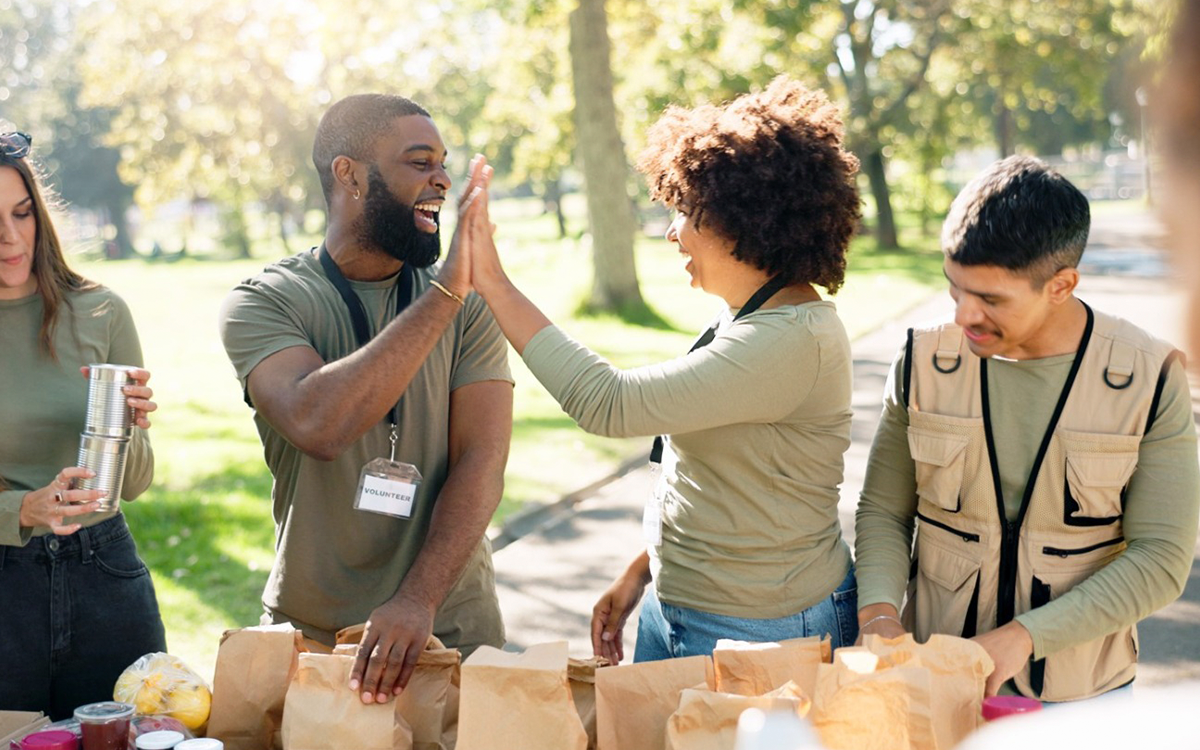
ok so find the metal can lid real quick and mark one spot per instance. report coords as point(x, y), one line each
point(202, 743)
point(106, 711)
point(163, 739)
point(54, 739)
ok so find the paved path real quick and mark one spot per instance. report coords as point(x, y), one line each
point(550, 577)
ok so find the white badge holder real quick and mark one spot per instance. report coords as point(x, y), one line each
point(388, 486)
point(652, 514)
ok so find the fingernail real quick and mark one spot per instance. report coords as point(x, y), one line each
point(368, 698)
point(606, 636)
point(354, 684)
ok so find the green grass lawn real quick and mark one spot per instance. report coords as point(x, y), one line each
point(205, 527)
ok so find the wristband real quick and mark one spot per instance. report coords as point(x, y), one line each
point(438, 285)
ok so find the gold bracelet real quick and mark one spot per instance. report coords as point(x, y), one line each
point(447, 292)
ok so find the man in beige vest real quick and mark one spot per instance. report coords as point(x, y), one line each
point(1045, 453)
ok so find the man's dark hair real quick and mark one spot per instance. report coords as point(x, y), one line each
point(1021, 215)
point(351, 127)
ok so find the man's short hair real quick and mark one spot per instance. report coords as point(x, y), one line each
point(351, 127)
point(1021, 215)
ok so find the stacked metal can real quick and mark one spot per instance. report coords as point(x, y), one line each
point(104, 443)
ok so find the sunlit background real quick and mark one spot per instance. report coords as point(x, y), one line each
point(178, 135)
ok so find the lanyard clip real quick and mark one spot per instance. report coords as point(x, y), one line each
point(392, 438)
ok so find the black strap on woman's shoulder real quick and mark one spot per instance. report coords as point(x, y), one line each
point(908, 355)
point(757, 300)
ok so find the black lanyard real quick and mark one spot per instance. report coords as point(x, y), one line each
point(358, 313)
point(764, 293)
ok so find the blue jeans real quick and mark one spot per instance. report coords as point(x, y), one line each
point(75, 611)
point(666, 631)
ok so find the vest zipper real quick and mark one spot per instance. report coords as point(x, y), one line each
point(966, 535)
point(1010, 531)
point(1081, 550)
point(1010, 538)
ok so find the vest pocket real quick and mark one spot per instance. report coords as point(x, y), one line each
point(946, 589)
point(1089, 668)
point(1098, 468)
point(939, 460)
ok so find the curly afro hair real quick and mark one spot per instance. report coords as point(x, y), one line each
point(767, 171)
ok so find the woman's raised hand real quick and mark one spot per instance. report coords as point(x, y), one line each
point(53, 504)
point(456, 271)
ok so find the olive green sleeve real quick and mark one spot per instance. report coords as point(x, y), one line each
point(1160, 521)
point(11, 531)
point(884, 520)
point(757, 370)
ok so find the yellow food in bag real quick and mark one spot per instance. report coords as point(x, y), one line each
point(163, 685)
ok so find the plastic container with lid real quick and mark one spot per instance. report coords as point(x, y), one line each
point(202, 743)
point(164, 739)
point(53, 739)
point(105, 726)
point(999, 706)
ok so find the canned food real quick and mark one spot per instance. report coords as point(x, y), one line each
point(106, 457)
point(108, 410)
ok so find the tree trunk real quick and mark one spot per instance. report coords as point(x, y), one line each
point(605, 171)
point(1004, 129)
point(116, 215)
point(237, 230)
point(553, 197)
point(885, 223)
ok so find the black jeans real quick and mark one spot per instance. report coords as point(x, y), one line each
point(75, 611)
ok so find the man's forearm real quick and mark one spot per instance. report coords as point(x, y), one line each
point(340, 401)
point(464, 509)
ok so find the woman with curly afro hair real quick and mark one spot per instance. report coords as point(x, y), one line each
point(742, 531)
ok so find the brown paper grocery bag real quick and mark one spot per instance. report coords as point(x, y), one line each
point(519, 701)
point(581, 673)
point(707, 720)
point(322, 712)
point(634, 701)
point(864, 702)
point(744, 668)
point(958, 669)
point(254, 668)
point(425, 703)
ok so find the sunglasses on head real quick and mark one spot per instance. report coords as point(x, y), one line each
point(16, 144)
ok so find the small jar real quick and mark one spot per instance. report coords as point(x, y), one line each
point(52, 739)
point(163, 739)
point(201, 743)
point(1008, 705)
point(105, 726)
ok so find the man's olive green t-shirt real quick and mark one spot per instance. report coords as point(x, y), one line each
point(43, 400)
point(758, 421)
point(334, 564)
point(1159, 524)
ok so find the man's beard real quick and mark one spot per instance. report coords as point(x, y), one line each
point(387, 223)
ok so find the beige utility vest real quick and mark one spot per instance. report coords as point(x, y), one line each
point(974, 569)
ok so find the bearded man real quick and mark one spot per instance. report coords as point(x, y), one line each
point(382, 394)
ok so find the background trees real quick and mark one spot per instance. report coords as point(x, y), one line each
point(153, 101)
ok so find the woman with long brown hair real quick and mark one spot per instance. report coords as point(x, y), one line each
point(78, 603)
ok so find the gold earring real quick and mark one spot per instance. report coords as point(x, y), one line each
point(357, 195)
